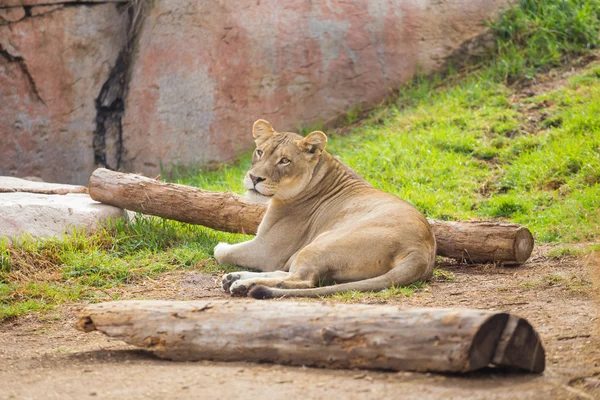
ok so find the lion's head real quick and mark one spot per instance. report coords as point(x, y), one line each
point(283, 163)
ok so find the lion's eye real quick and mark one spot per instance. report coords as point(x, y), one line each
point(259, 153)
point(284, 161)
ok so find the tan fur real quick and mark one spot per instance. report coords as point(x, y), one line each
point(324, 223)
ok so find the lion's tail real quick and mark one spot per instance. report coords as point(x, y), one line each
point(410, 269)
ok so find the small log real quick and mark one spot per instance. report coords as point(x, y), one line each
point(318, 334)
point(483, 241)
point(470, 241)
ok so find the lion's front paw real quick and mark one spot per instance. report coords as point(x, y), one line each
point(239, 288)
point(228, 279)
point(221, 251)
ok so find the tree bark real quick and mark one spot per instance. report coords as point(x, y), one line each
point(218, 210)
point(321, 335)
point(470, 241)
point(483, 241)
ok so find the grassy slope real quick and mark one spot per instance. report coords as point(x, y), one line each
point(465, 146)
point(471, 151)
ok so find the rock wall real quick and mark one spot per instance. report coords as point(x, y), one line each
point(202, 72)
point(54, 59)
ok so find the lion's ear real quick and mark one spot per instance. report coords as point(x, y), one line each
point(316, 140)
point(262, 130)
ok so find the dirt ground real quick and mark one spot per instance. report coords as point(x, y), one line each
point(43, 356)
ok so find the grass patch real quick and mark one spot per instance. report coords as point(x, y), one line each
point(538, 34)
point(447, 155)
point(468, 145)
point(571, 282)
point(36, 275)
point(572, 251)
point(387, 294)
point(442, 275)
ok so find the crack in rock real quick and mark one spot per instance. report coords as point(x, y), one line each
point(109, 113)
point(110, 103)
point(23, 66)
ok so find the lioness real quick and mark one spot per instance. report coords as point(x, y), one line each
point(324, 223)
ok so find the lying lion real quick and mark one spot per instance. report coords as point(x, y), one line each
point(324, 224)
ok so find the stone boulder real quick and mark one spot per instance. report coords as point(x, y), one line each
point(205, 70)
point(42, 215)
point(41, 209)
point(54, 60)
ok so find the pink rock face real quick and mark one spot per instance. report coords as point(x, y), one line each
point(52, 66)
point(205, 71)
point(14, 3)
point(201, 73)
point(12, 14)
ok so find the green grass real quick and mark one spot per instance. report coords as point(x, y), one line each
point(36, 275)
point(539, 33)
point(465, 145)
point(387, 294)
point(575, 251)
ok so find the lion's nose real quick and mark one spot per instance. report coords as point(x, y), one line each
point(256, 179)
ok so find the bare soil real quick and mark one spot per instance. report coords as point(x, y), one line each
point(43, 356)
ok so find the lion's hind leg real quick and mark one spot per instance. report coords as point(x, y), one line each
point(285, 280)
point(412, 268)
point(309, 267)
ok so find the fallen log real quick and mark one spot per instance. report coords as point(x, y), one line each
point(321, 334)
point(470, 241)
point(223, 211)
point(483, 241)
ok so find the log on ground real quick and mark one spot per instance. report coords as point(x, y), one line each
point(218, 210)
point(320, 334)
point(470, 241)
point(483, 241)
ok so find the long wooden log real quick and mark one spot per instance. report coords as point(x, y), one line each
point(470, 241)
point(320, 334)
point(223, 211)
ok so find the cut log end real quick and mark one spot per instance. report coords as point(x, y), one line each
point(523, 246)
point(520, 347)
point(485, 341)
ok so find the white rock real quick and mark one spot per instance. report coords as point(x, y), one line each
point(41, 215)
point(11, 184)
